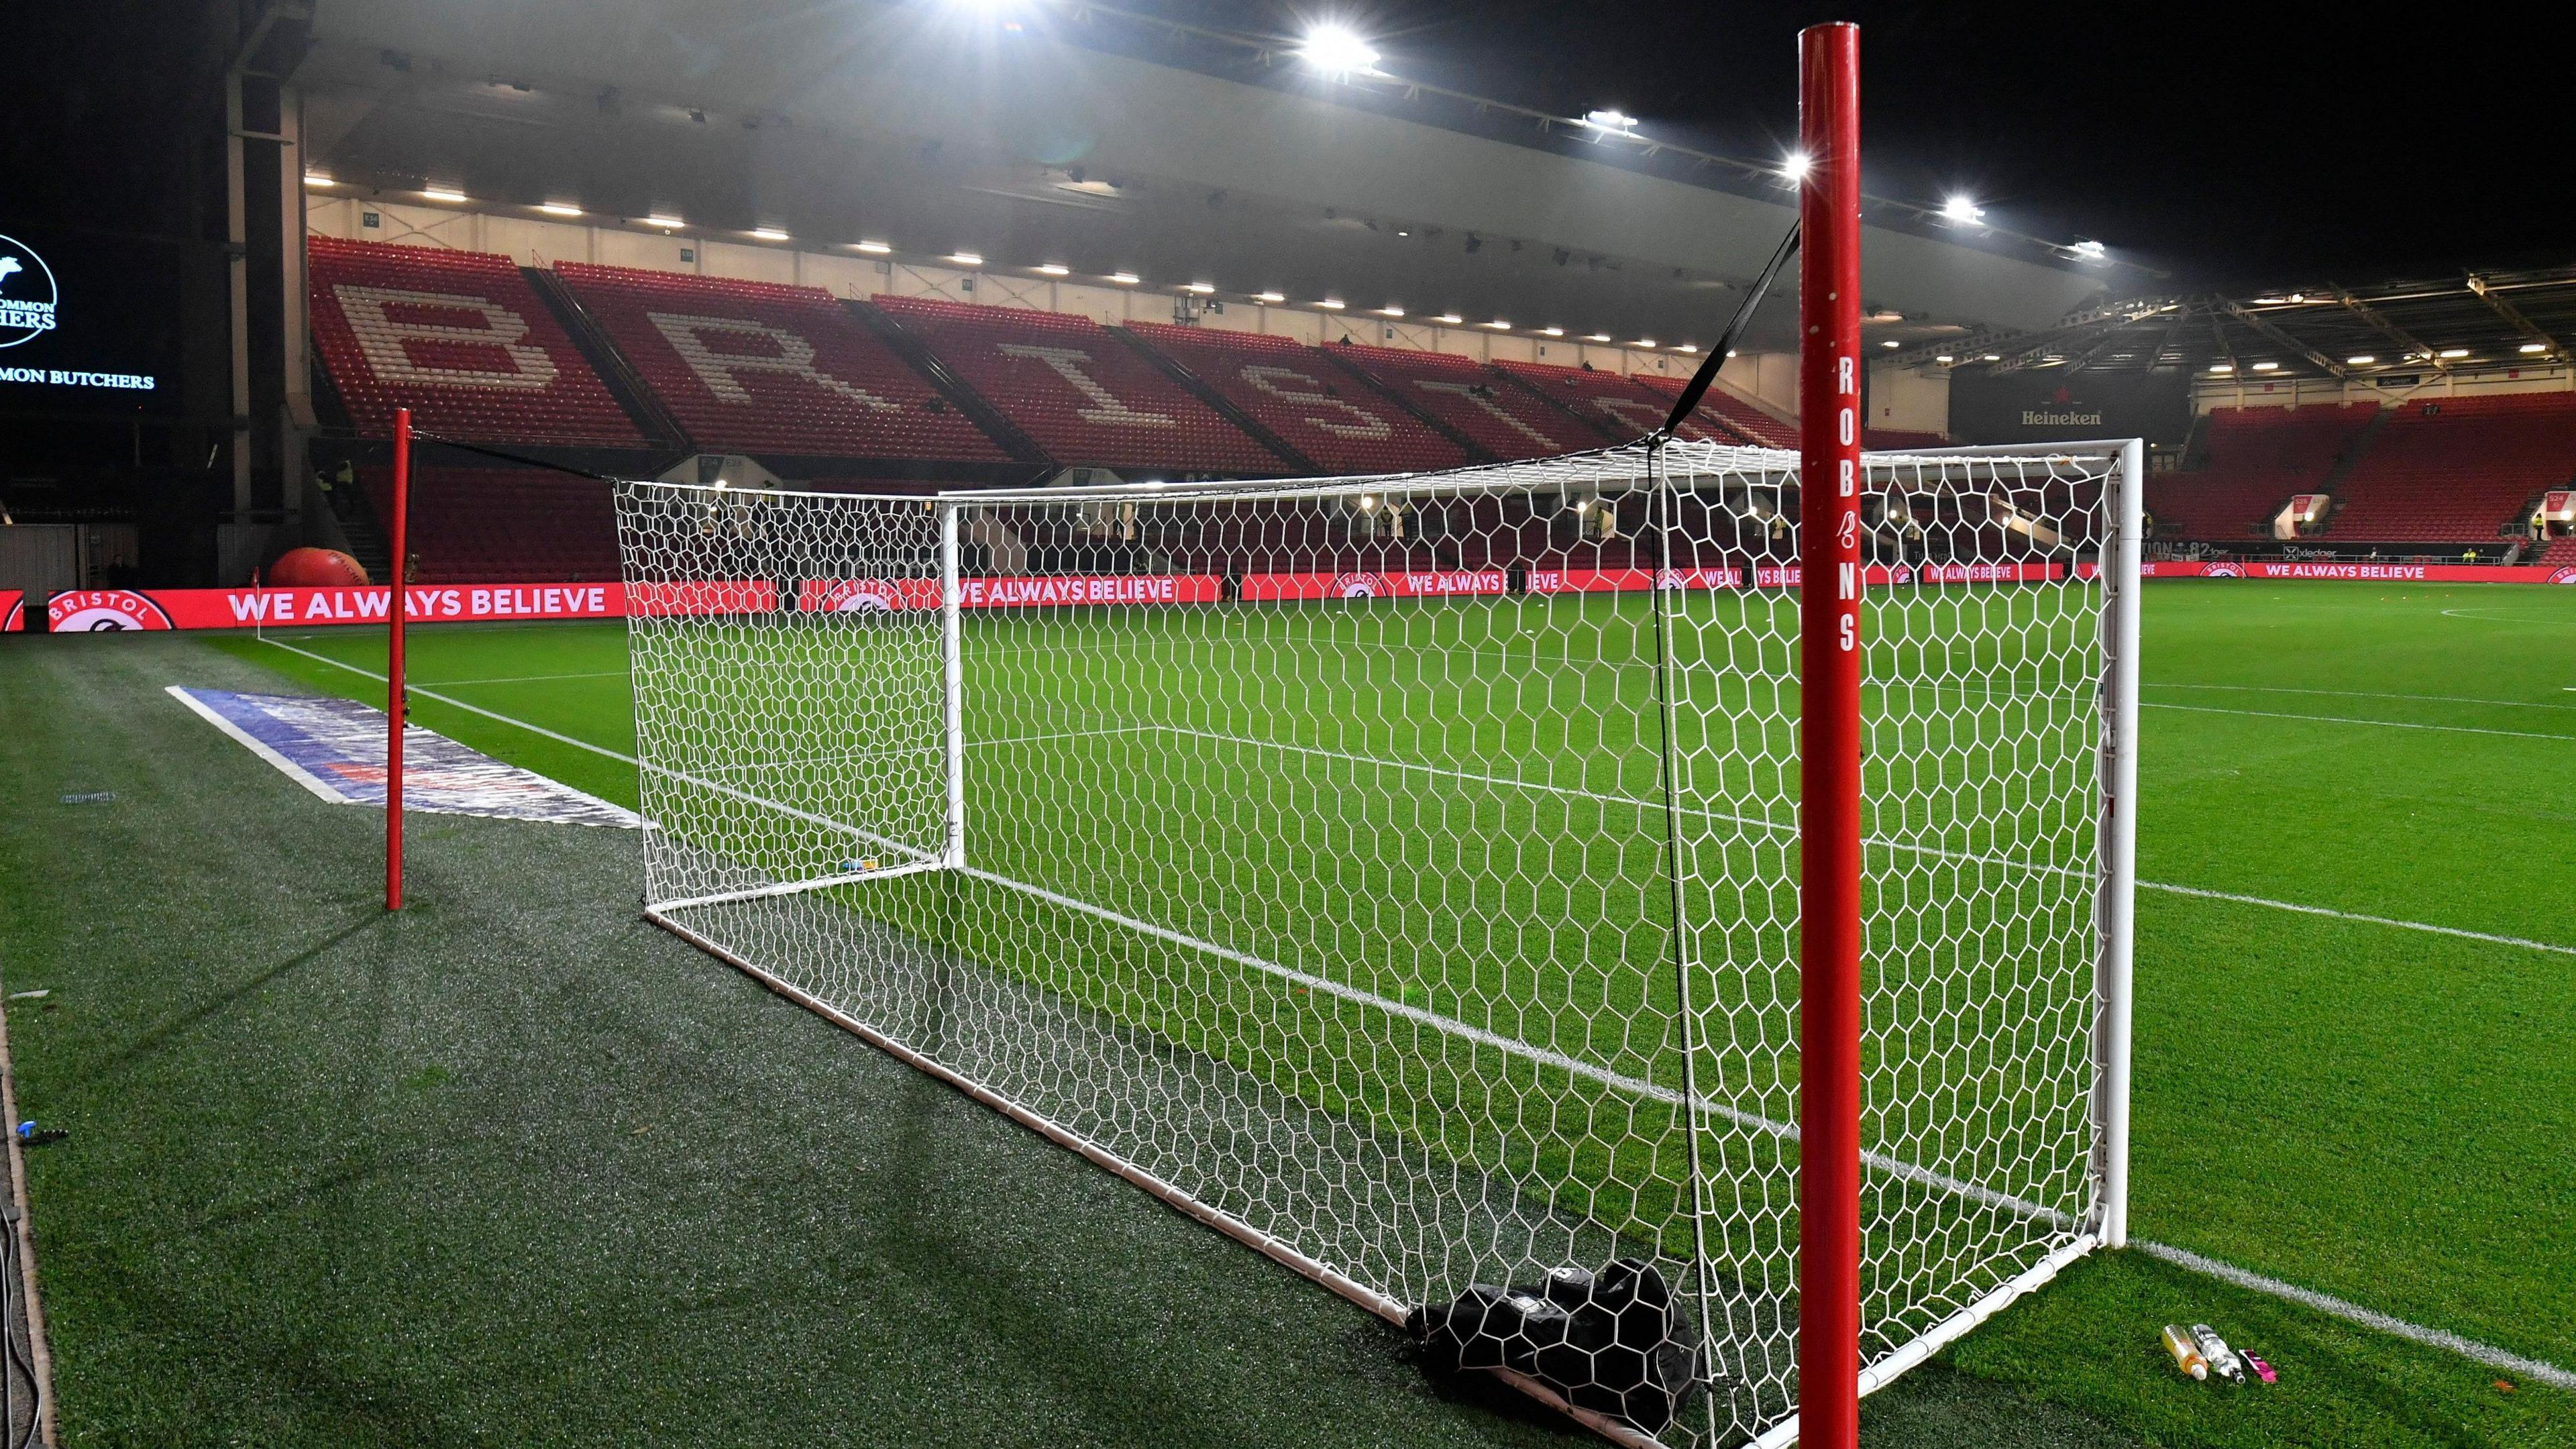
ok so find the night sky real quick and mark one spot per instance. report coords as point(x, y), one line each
point(2238, 146)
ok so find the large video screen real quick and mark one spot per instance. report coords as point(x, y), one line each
point(89, 323)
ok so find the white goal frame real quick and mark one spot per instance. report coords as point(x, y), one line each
point(744, 860)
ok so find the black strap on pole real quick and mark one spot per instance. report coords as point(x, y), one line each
point(1688, 402)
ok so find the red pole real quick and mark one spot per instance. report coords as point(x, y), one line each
point(395, 617)
point(1829, 742)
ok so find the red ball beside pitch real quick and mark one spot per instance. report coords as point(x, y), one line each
point(316, 568)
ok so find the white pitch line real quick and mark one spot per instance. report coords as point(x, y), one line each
point(2530, 1368)
point(2367, 694)
point(2386, 724)
point(2324, 1303)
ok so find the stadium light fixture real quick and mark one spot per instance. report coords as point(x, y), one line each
point(1963, 211)
point(1596, 336)
point(1201, 288)
point(2091, 251)
point(1610, 118)
point(771, 233)
point(1337, 50)
point(1686, 347)
point(1644, 342)
point(2362, 360)
point(2267, 367)
point(1499, 325)
point(1891, 342)
point(2529, 348)
point(2222, 368)
point(1945, 359)
point(1390, 311)
point(317, 180)
point(1449, 319)
point(1054, 269)
point(558, 208)
point(2452, 354)
point(1730, 352)
point(1331, 304)
point(666, 222)
point(1992, 357)
point(1125, 279)
point(872, 248)
point(1793, 167)
point(448, 194)
point(1551, 332)
point(966, 259)
point(1272, 298)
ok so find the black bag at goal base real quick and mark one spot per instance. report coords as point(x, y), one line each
point(1611, 1341)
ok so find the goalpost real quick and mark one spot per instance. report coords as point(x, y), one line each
point(1712, 857)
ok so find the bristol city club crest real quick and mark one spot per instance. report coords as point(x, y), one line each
point(866, 596)
point(2564, 576)
point(2223, 571)
point(1357, 586)
point(102, 611)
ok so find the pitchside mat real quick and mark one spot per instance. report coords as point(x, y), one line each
point(336, 749)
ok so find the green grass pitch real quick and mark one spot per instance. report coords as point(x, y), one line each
point(2366, 1110)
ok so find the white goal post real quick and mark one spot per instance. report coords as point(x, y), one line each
point(1401, 874)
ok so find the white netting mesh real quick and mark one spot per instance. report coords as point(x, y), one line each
point(1316, 856)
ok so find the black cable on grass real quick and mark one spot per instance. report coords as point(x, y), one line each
point(1688, 402)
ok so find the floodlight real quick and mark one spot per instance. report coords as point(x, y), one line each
point(661, 220)
point(1125, 279)
point(1944, 359)
point(1645, 342)
point(1992, 357)
point(2531, 347)
point(1551, 332)
point(1202, 288)
point(1499, 325)
point(559, 208)
point(873, 248)
point(2222, 368)
point(1270, 296)
point(1054, 269)
point(1962, 210)
point(1390, 311)
point(2364, 360)
point(1337, 50)
point(1609, 119)
point(2267, 367)
point(1794, 166)
point(2091, 251)
point(1449, 318)
point(448, 194)
point(966, 259)
point(1331, 304)
point(2452, 352)
point(770, 233)
point(317, 179)
point(1891, 342)
point(1596, 336)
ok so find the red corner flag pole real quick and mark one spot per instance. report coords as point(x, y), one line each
point(1829, 744)
point(395, 617)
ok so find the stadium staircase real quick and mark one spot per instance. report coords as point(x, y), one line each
point(615, 372)
point(1179, 372)
point(356, 515)
point(967, 401)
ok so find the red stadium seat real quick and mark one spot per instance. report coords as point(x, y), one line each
point(1728, 410)
point(462, 340)
point(1084, 395)
point(2458, 470)
point(1461, 392)
point(1293, 390)
point(2258, 457)
point(504, 525)
point(763, 368)
point(1627, 407)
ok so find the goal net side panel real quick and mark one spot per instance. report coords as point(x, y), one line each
point(1324, 842)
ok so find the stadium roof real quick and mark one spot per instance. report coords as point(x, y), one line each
point(940, 131)
point(2477, 321)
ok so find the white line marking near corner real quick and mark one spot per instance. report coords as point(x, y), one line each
point(2522, 942)
point(2531, 1368)
point(2370, 694)
point(2386, 724)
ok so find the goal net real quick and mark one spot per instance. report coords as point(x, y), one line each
point(1401, 873)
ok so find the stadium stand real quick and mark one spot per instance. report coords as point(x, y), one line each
point(462, 340)
point(503, 525)
point(1469, 399)
point(1729, 410)
point(2561, 553)
point(1293, 390)
point(1625, 408)
point(2457, 469)
point(759, 367)
point(1086, 397)
point(2257, 458)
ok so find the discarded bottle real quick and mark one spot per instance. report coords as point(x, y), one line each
point(2186, 1354)
point(2221, 1358)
